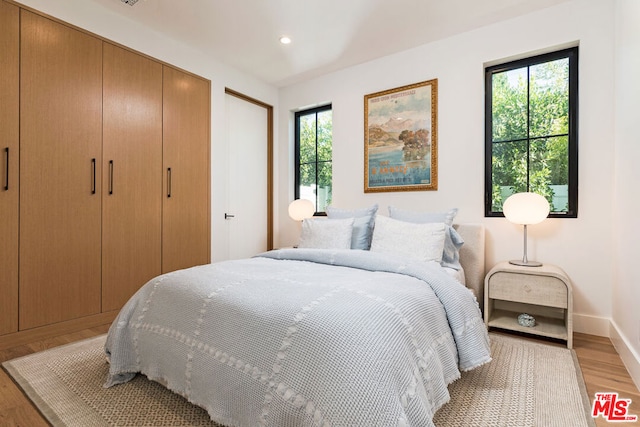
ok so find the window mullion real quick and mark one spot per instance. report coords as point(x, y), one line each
point(316, 158)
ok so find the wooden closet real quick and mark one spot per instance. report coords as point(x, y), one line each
point(186, 110)
point(9, 137)
point(104, 174)
point(60, 170)
point(132, 165)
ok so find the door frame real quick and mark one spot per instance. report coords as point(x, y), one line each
point(269, 109)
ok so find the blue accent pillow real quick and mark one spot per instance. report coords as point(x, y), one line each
point(452, 242)
point(364, 220)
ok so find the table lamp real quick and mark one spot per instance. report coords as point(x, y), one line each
point(525, 209)
point(301, 209)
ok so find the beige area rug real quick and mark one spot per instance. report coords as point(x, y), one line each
point(526, 384)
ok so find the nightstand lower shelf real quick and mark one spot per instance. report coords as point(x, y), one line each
point(545, 326)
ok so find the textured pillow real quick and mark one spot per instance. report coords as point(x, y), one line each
point(423, 217)
point(453, 241)
point(420, 242)
point(326, 233)
point(363, 222)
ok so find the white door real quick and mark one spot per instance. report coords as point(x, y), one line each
point(247, 197)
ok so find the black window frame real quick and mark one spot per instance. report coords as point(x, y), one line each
point(297, 116)
point(572, 55)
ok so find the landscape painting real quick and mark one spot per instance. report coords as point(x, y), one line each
point(400, 142)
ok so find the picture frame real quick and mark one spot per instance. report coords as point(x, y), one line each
point(401, 138)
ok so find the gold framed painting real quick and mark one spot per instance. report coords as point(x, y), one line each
point(401, 138)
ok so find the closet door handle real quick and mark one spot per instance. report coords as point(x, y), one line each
point(110, 176)
point(6, 171)
point(168, 182)
point(93, 172)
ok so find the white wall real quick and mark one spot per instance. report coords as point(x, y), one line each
point(626, 289)
point(583, 247)
point(99, 20)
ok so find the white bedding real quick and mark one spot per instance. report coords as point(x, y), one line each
point(303, 338)
point(456, 274)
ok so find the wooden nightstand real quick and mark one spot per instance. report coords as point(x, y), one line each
point(543, 292)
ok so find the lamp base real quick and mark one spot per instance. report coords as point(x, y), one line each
point(525, 263)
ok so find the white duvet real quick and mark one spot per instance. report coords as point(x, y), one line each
point(303, 337)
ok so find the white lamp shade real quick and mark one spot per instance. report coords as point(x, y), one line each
point(525, 208)
point(300, 209)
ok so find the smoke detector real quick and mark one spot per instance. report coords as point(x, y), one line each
point(129, 2)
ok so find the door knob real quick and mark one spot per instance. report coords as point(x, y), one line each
point(228, 216)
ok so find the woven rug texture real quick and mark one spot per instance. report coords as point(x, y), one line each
point(526, 384)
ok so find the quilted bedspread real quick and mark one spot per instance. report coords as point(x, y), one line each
point(303, 337)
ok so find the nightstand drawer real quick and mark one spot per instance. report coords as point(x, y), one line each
point(543, 290)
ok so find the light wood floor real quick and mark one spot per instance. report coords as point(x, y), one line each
point(601, 366)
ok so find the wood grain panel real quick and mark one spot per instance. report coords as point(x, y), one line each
point(132, 165)
point(9, 152)
point(61, 132)
point(186, 201)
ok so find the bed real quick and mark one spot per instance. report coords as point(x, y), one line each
point(308, 336)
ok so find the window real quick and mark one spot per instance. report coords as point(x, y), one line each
point(531, 131)
point(313, 153)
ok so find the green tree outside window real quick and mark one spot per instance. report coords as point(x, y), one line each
point(531, 131)
point(313, 133)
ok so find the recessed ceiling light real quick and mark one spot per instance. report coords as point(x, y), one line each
point(285, 40)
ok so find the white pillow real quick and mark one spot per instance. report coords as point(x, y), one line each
point(422, 217)
point(326, 233)
point(421, 242)
point(452, 240)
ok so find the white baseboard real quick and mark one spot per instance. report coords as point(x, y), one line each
point(592, 325)
point(605, 327)
point(629, 357)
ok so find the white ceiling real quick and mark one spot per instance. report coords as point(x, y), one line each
point(327, 34)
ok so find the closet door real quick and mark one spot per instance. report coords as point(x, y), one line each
point(60, 170)
point(186, 220)
point(132, 166)
point(9, 110)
